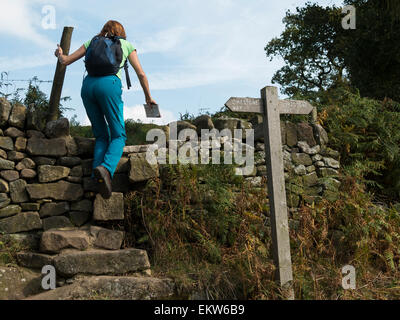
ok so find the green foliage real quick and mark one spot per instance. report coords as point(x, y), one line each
point(207, 229)
point(5, 85)
point(319, 54)
point(367, 134)
point(136, 132)
point(37, 102)
point(187, 116)
point(34, 99)
point(311, 48)
point(371, 52)
point(352, 230)
point(9, 249)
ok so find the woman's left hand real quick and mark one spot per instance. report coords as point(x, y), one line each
point(150, 101)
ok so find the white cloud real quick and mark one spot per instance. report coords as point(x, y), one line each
point(206, 47)
point(22, 62)
point(18, 19)
point(210, 42)
point(137, 113)
point(162, 41)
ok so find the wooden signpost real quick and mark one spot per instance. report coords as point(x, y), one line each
point(271, 108)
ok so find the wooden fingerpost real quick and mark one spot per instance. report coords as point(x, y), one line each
point(277, 191)
point(59, 76)
point(271, 108)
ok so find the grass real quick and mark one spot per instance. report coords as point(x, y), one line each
point(8, 250)
point(208, 229)
point(198, 229)
point(136, 132)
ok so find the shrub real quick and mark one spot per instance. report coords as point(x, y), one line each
point(367, 134)
point(200, 226)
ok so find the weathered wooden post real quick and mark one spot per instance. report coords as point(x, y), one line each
point(271, 108)
point(59, 76)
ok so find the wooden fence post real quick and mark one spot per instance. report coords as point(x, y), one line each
point(59, 76)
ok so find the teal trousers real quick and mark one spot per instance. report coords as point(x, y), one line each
point(102, 97)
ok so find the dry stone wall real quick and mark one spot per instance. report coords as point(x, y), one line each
point(311, 167)
point(45, 175)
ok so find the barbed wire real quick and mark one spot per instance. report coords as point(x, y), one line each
point(4, 78)
point(31, 80)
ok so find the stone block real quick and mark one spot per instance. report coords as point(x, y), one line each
point(302, 158)
point(59, 222)
point(79, 218)
point(100, 262)
point(57, 128)
point(18, 116)
point(109, 210)
point(52, 173)
point(10, 211)
point(305, 133)
point(18, 191)
point(141, 169)
point(47, 147)
point(54, 241)
point(5, 110)
point(54, 209)
point(69, 161)
point(14, 133)
point(20, 144)
point(83, 205)
point(62, 190)
point(22, 222)
point(6, 143)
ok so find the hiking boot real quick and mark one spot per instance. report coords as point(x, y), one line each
point(103, 179)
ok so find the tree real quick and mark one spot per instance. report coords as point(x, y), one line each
point(311, 49)
point(34, 99)
point(372, 51)
point(319, 54)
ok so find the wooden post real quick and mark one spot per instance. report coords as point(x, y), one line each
point(59, 76)
point(271, 108)
point(277, 191)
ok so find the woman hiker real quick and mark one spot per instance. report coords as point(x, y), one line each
point(102, 97)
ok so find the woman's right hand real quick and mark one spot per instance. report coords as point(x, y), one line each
point(59, 51)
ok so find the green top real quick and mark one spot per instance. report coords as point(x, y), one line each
point(127, 49)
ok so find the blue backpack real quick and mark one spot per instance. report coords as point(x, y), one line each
point(104, 57)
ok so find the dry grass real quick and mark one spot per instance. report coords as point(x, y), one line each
point(209, 232)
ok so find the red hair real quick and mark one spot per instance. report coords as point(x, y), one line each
point(113, 28)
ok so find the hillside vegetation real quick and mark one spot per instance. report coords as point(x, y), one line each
point(209, 229)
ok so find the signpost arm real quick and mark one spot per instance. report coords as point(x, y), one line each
point(276, 191)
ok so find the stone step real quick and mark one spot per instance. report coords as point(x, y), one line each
point(70, 262)
point(56, 240)
point(112, 288)
point(19, 283)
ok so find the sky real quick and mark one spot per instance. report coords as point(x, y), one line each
point(196, 53)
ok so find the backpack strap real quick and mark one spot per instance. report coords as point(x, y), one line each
point(128, 79)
